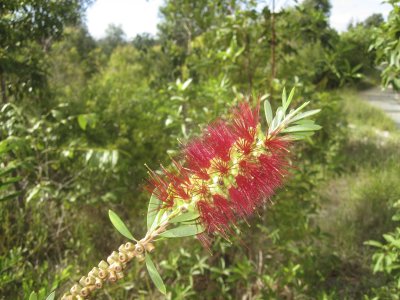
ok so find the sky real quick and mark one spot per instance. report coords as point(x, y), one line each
point(141, 16)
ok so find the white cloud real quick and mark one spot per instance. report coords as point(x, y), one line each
point(345, 11)
point(134, 16)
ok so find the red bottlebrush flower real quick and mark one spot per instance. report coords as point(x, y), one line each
point(220, 139)
point(245, 121)
point(276, 144)
point(227, 173)
point(159, 187)
point(198, 154)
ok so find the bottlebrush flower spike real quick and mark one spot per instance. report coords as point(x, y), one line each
point(227, 173)
point(235, 166)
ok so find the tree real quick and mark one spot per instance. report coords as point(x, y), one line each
point(27, 30)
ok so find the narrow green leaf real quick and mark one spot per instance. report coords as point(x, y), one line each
point(186, 84)
point(82, 121)
point(268, 112)
point(297, 110)
point(284, 97)
point(304, 122)
point(9, 197)
point(306, 114)
point(182, 231)
point(33, 296)
point(154, 275)
point(288, 100)
point(188, 216)
point(301, 135)
point(10, 181)
point(373, 243)
point(51, 296)
point(154, 207)
point(120, 225)
point(299, 128)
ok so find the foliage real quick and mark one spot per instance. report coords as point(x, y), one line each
point(80, 117)
point(387, 45)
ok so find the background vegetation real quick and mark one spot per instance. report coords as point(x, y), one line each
point(80, 117)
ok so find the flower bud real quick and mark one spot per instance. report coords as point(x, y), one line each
point(67, 297)
point(79, 297)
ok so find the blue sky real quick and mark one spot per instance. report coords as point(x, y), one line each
point(139, 16)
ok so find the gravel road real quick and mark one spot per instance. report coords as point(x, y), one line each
point(387, 100)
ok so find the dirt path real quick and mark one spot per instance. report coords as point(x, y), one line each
point(387, 100)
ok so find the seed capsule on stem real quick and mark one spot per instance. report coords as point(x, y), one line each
point(82, 281)
point(76, 288)
point(116, 267)
point(90, 280)
point(150, 247)
point(112, 277)
point(103, 274)
point(139, 249)
point(113, 257)
point(94, 272)
point(98, 284)
point(119, 275)
point(122, 257)
point(140, 257)
point(129, 246)
point(103, 265)
point(85, 292)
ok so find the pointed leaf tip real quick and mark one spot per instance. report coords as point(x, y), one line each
point(268, 112)
point(120, 225)
point(154, 275)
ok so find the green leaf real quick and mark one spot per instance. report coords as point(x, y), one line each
point(153, 209)
point(186, 84)
point(299, 128)
point(82, 121)
point(51, 296)
point(306, 114)
point(188, 216)
point(268, 112)
point(120, 225)
point(284, 97)
point(301, 135)
point(373, 244)
point(182, 231)
point(10, 196)
point(33, 296)
point(154, 275)
point(289, 99)
point(304, 122)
